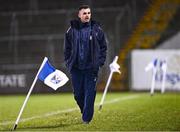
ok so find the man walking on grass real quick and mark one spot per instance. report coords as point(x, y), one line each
point(84, 53)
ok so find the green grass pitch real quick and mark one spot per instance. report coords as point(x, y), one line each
point(121, 112)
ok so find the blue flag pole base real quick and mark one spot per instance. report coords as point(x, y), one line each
point(15, 126)
point(100, 107)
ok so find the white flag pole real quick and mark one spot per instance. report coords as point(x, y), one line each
point(153, 81)
point(114, 68)
point(27, 97)
point(105, 90)
point(164, 69)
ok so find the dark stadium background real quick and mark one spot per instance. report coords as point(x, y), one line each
point(32, 29)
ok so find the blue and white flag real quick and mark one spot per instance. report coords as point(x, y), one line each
point(50, 76)
point(151, 65)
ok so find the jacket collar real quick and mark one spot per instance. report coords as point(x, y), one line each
point(78, 24)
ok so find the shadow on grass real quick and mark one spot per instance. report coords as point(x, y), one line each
point(48, 126)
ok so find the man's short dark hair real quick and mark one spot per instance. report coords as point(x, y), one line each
point(83, 7)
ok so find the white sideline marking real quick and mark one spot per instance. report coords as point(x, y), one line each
point(68, 110)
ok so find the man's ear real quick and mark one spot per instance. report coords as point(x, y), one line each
point(79, 14)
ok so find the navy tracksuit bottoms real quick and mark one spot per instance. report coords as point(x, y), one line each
point(84, 88)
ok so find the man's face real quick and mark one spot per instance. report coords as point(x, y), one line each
point(85, 15)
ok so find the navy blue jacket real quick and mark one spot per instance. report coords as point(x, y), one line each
point(97, 44)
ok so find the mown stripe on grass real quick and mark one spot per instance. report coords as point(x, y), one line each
point(68, 110)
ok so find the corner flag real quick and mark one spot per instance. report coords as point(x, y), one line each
point(52, 77)
point(114, 67)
